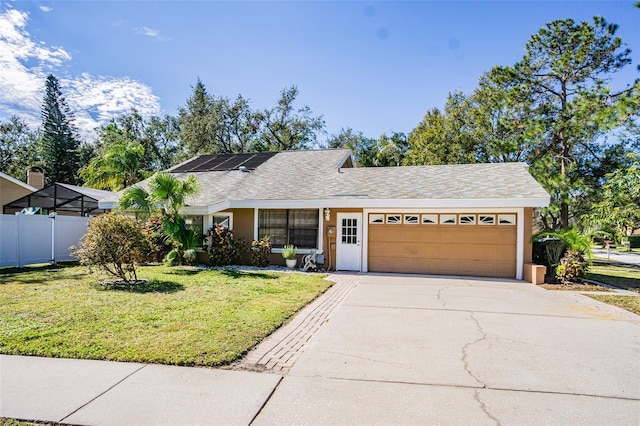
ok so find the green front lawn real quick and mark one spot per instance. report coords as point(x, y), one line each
point(618, 276)
point(181, 316)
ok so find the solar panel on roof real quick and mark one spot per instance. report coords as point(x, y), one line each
point(224, 162)
point(192, 164)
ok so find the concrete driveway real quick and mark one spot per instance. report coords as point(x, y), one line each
point(438, 350)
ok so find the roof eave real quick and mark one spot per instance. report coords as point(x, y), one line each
point(394, 203)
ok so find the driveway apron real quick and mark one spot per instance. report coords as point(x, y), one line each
point(449, 350)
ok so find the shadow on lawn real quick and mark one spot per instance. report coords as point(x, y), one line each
point(142, 286)
point(38, 274)
point(248, 274)
point(626, 283)
point(184, 271)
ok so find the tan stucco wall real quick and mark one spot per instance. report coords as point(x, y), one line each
point(242, 222)
point(10, 191)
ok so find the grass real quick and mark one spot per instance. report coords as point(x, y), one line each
point(180, 316)
point(575, 287)
point(616, 275)
point(13, 422)
point(630, 303)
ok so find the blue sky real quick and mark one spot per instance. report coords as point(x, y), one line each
point(373, 66)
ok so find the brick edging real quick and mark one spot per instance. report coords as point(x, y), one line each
point(278, 352)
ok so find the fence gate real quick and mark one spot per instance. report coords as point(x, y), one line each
point(26, 239)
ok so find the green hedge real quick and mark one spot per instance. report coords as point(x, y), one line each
point(635, 241)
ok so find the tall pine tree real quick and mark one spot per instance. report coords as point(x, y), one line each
point(60, 148)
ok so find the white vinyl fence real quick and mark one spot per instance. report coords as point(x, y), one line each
point(28, 239)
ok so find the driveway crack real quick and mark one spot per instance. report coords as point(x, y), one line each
point(465, 361)
point(439, 296)
point(465, 355)
point(483, 406)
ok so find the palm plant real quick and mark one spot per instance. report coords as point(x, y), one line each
point(569, 243)
point(166, 195)
point(119, 167)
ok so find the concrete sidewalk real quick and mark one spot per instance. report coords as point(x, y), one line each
point(117, 393)
point(396, 350)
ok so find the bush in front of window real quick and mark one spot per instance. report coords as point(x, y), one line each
point(224, 249)
point(157, 240)
point(260, 251)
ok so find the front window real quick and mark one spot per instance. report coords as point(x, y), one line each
point(297, 227)
point(195, 222)
point(224, 221)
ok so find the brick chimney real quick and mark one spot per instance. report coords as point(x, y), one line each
point(35, 177)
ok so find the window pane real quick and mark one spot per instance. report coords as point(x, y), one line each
point(221, 220)
point(273, 223)
point(297, 227)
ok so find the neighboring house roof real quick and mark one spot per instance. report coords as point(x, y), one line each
point(318, 179)
point(17, 182)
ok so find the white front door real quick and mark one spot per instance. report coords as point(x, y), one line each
point(349, 247)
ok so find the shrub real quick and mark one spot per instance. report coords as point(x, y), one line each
point(156, 240)
point(224, 249)
point(572, 267)
point(260, 251)
point(113, 242)
point(634, 241)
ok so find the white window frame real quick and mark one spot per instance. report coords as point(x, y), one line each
point(319, 244)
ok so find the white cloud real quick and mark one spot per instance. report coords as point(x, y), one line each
point(149, 32)
point(46, 8)
point(25, 63)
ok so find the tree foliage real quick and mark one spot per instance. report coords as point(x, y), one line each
point(286, 128)
point(218, 125)
point(555, 109)
point(364, 149)
point(113, 242)
point(619, 206)
point(19, 148)
point(60, 146)
point(119, 166)
point(565, 78)
point(128, 149)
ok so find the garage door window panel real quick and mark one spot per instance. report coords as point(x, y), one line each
point(487, 219)
point(448, 219)
point(469, 219)
point(394, 219)
point(411, 219)
point(506, 219)
point(429, 219)
point(376, 218)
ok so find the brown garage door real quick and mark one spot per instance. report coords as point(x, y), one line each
point(474, 245)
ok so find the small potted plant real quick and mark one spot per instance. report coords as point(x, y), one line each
point(289, 253)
